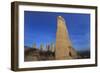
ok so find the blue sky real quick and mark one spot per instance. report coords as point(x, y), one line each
point(40, 27)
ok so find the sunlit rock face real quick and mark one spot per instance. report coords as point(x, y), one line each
point(64, 48)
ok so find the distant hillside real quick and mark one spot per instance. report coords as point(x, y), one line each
point(84, 54)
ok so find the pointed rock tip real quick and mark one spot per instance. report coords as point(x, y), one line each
point(59, 16)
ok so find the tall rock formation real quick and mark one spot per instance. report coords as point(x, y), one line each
point(64, 48)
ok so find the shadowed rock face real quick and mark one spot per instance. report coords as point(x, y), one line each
point(64, 48)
